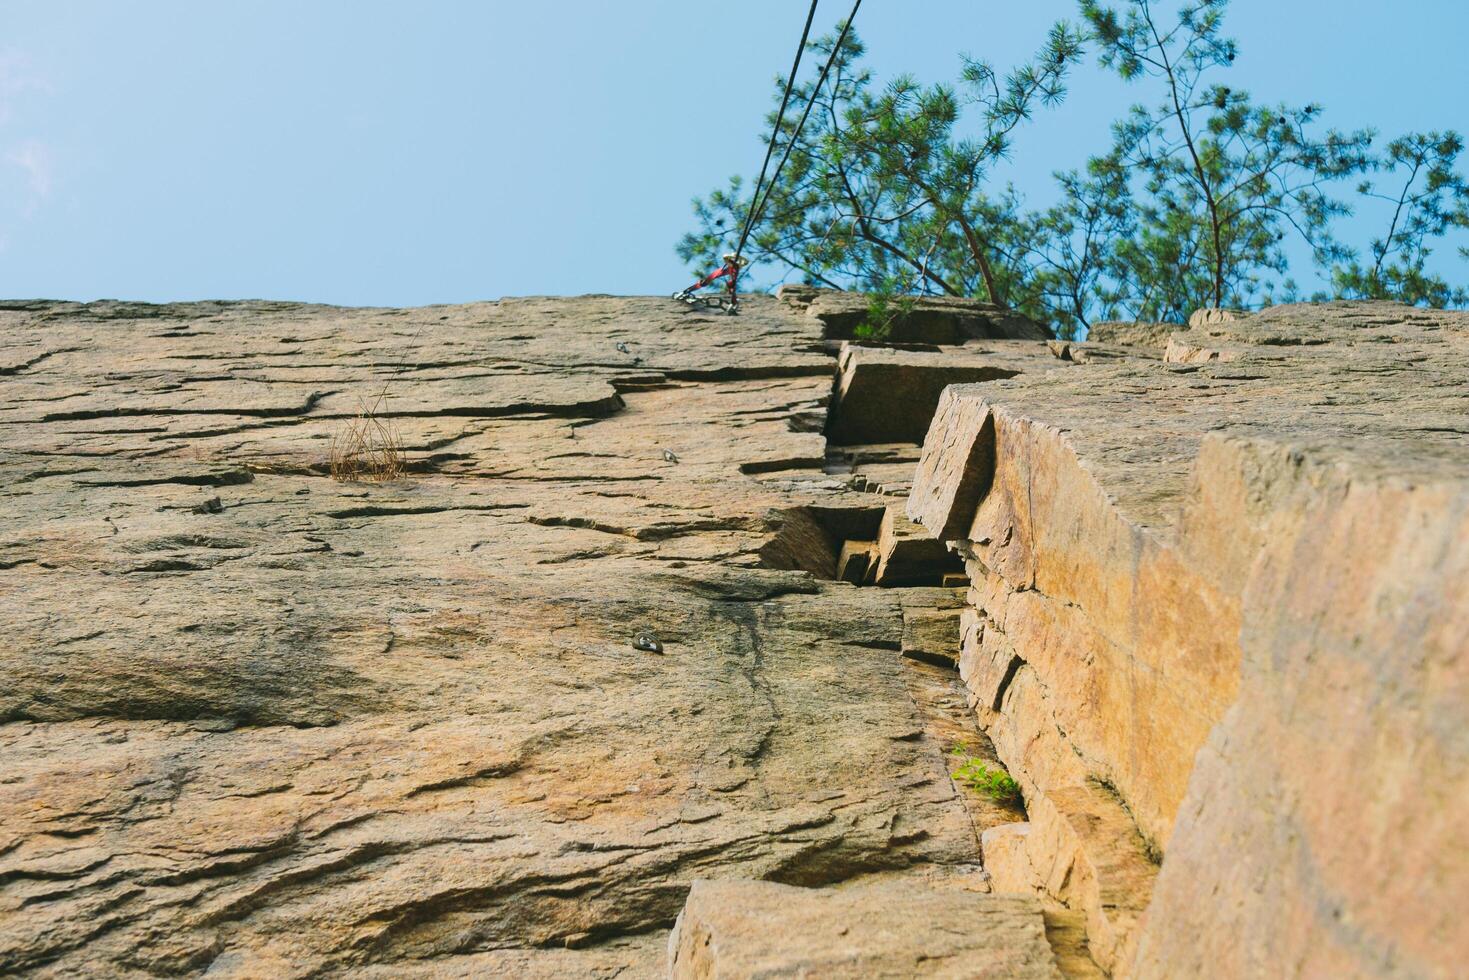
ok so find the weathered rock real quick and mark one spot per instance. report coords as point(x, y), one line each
point(798, 296)
point(401, 729)
point(1191, 349)
point(923, 320)
point(1286, 498)
point(1084, 353)
point(1325, 821)
point(932, 636)
point(856, 560)
point(958, 466)
point(885, 395)
point(907, 554)
point(1132, 332)
point(885, 469)
point(889, 929)
point(1210, 316)
point(1007, 859)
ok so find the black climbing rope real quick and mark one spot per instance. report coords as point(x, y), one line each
point(758, 203)
point(779, 118)
point(734, 261)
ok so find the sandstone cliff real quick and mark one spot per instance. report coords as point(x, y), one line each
point(1218, 619)
point(1206, 601)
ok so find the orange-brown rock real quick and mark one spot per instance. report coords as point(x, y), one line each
point(881, 930)
point(885, 395)
point(1143, 334)
point(1256, 548)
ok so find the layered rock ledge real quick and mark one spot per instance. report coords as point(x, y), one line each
point(1218, 622)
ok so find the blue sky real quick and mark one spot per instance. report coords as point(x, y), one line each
point(387, 153)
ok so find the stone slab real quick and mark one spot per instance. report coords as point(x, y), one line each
point(762, 929)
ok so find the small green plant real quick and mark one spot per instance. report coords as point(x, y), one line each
point(994, 783)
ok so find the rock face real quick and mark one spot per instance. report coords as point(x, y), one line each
point(1211, 619)
point(1217, 619)
point(884, 395)
point(919, 320)
point(259, 723)
point(889, 929)
point(1141, 334)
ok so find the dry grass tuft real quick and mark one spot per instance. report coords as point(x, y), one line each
point(368, 449)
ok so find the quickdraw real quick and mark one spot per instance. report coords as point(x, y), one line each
point(734, 261)
point(729, 300)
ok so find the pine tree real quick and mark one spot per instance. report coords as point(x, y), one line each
point(1428, 199)
point(882, 194)
point(1223, 180)
point(1194, 203)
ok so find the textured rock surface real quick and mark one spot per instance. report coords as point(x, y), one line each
point(924, 319)
point(1142, 334)
point(1008, 861)
point(887, 929)
point(265, 724)
point(1325, 817)
point(885, 395)
point(1259, 546)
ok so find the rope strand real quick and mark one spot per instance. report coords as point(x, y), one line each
point(760, 206)
point(757, 205)
point(779, 118)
